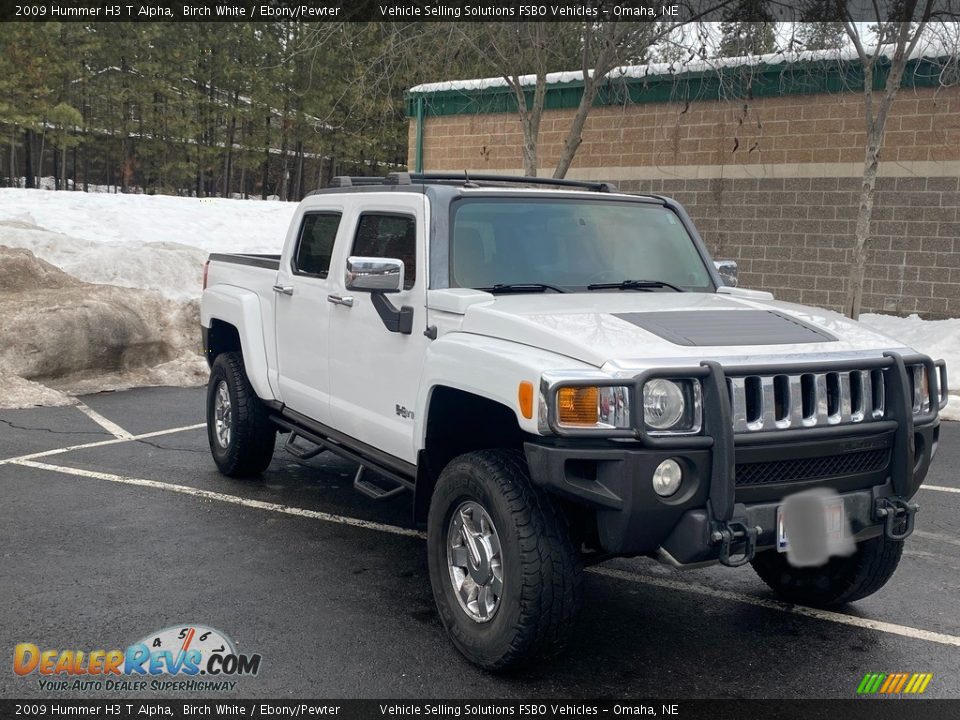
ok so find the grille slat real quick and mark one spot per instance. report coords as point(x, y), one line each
point(761, 403)
point(815, 468)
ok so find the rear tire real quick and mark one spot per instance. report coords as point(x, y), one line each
point(239, 430)
point(526, 560)
point(841, 580)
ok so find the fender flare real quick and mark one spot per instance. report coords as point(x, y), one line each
point(453, 361)
point(241, 309)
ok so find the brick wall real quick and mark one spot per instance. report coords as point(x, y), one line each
point(771, 183)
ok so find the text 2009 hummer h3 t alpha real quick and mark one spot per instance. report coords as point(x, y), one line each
point(559, 374)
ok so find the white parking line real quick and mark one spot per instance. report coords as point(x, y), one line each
point(100, 443)
point(941, 488)
point(109, 425)
point(828, 615)
point(223, 497)
point(643, 579)
point(939, 537)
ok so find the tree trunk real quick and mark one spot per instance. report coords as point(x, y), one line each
point(228, 160)
point(28, 160)
point(63, 167)
point(123, 165)
point(43, 147)
point(298, 184)
point(575, 134)
point(284, 171)
point(13, 159)
point(56, 169)
point(876, 122)
point(266, 164)
point(858, 262)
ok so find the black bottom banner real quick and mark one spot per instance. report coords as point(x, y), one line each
point(113, 709)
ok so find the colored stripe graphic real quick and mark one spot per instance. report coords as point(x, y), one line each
point(870, 683)
point(901, 682)
point(894, 683)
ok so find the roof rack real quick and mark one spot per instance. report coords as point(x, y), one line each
point(347, 181)
point(468, 180)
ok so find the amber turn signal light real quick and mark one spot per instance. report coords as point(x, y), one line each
point(578, 405)
point(525, 399)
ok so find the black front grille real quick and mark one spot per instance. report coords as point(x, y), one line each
point(814, 468)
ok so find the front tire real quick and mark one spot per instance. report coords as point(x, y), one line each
point(239, 430)
point(840, 580)
point(505, 574)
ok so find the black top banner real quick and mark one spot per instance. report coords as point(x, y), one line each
point(440, 10)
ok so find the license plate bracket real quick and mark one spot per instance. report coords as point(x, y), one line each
point(834, 521)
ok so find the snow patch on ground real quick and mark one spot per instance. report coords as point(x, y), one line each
point(19, 392)
point(940, 339)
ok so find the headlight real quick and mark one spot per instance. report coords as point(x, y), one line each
point(672, 406)
point(921, 389)
point(663, 404)
point(591, 406)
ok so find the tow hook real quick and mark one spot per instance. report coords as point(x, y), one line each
point(738, 543)
point(892, 510)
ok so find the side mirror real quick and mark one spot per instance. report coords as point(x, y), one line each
point(376, 275)
point(728, 271)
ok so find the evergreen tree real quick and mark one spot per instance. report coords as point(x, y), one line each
point(748, 28)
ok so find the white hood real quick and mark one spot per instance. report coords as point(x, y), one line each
point(586, 326)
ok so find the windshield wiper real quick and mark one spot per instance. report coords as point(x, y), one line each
point(634, 285)
point(522, 287)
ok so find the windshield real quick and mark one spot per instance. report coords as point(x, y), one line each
point(571, 243)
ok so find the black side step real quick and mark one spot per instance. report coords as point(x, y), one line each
point(372, 490)
point(299, 452)
point(342, 450)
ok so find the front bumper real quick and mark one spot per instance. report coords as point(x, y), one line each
point(733, 481)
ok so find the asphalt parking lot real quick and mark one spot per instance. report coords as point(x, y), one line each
point(117, 524)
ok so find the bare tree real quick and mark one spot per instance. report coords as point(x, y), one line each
point(896, 37)
point(524, 53)
point(521, 51)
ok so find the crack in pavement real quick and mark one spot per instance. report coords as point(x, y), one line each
point(163, 447)
point(14, 426)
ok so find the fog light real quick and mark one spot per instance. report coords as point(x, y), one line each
point(666, 478)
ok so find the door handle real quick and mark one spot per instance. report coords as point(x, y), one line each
point(337, 300)
point(283, 289)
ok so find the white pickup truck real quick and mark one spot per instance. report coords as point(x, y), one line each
point(560, 374)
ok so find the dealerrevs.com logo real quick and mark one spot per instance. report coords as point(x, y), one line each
point(181, 658)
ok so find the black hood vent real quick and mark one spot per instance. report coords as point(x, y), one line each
point(727, 327)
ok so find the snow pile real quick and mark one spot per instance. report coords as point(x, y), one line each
point(59, 334)
point(940, 339)
point(142, 241)
point(100, 291)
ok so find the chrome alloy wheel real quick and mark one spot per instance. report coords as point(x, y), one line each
point(473, 555)
point(222, 415)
